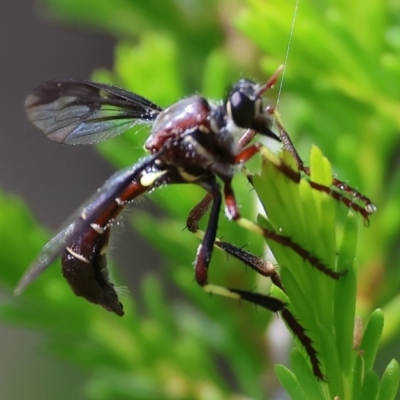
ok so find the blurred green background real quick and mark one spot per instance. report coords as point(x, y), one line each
point(341, 91)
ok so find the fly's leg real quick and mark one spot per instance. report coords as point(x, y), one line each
point(203, 258)
point(366, 209)
point(262, 267)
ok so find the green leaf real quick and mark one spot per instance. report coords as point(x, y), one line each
point(345, 296)
point(370, 341)
point(389, 382)
point(310, 386)
point(370, 386)
point(289, 381)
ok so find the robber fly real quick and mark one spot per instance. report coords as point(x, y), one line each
point(192, 141)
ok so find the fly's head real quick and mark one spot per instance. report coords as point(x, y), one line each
point(246, 107)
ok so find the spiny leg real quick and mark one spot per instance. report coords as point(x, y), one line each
point(267, 269)
point(366, 210)
point(264, 268)
point(261, 267)
point(288, 317)
point(203, 258)
point(257, 264)
point(246, 138)
point(200, 209)
point(286, 241)
point(307, 343)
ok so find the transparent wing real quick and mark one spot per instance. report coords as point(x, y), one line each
point(82, 112)
point(94, 207)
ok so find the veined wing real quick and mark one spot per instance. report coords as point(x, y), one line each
point(73, 111)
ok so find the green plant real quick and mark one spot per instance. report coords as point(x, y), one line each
point(339, 87)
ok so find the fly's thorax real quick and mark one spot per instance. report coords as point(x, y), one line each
point(177, 120)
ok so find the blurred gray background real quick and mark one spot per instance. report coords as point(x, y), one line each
point(52, 179)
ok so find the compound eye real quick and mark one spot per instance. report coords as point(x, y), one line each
point(241, 109)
